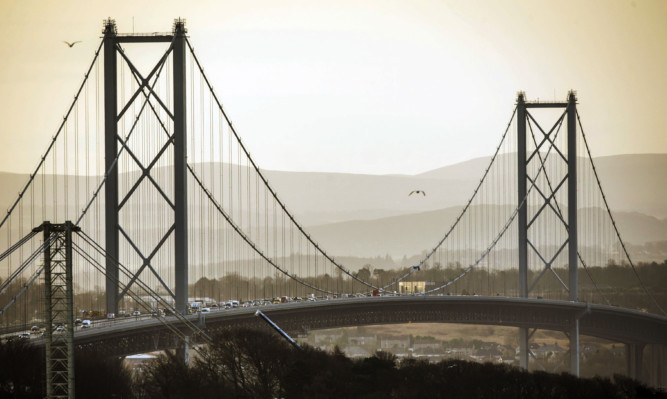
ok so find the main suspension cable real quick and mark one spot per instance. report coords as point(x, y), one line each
point(246, 238)
point(613, 221)
point(560, 212)
point(124, 142)
point(54, 138)
point(465, 208)
point(265, 181)
point(502, 232)
point(291, 217)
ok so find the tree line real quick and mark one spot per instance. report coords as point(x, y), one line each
point(256, 363)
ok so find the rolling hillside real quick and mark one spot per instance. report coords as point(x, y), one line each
point(369, 215)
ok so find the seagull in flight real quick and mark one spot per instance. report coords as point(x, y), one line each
point(71, 44)
point(417, 192)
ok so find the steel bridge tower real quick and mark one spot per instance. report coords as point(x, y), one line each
point(570, 224)
point(59, 308)
point(177, 115)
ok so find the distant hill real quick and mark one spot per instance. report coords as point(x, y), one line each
point(632, 182)
point(370, 215)
point(332, 197)
point(635, 183)
point(414, 233)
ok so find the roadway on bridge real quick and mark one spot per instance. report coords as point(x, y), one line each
point(616, 324)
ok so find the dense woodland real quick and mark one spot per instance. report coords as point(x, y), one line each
point(260, 364)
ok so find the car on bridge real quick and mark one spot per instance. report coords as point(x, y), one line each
point(136, 313)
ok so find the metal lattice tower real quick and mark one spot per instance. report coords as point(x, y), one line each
point(547, 202)
point(177, 139)
point(59, 309)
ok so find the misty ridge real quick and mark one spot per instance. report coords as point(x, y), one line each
point(356, 215)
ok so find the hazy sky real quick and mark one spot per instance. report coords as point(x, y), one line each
point(361, 86)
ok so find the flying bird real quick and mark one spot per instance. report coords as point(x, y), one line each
point(417, 192)
point(71, 44)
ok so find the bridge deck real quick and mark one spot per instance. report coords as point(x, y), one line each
point(615, 324)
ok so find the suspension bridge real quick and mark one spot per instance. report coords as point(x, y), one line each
point(146, 198)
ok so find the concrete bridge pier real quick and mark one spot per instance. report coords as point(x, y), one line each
point(656, 358)
point(634, 357)
point(524, 337)
point(574, 347)
point(183, 350)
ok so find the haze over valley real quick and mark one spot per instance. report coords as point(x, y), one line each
point(368, 216)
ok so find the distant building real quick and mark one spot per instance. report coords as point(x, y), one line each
point(488, 353)
point(427, 346)
point(362, 339)
point(458, 353)
point(549, 351)
point(327, 337)
point(411, 287)
point(400, 342)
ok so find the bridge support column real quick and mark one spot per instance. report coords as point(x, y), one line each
point(573, 254)
point(110, 152)
point(523, 159)
point(634, 359)
point(522, 222)
point(521, 195)
point(574, 347)
point(523, 348)
point(657, 372)
point(59, 308)
point(180, 171)
point(183, 351)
